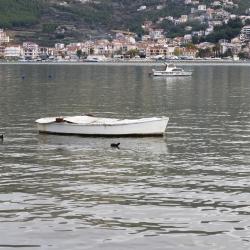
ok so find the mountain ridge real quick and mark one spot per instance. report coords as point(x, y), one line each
point(50, 21)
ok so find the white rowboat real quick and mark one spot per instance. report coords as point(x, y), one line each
point(96, 126)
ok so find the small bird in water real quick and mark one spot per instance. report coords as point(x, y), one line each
point(1, 137)
point(115, 145)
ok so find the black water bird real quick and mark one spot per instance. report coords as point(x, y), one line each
point(23, 76)
point(1, 137)
point(115, 145)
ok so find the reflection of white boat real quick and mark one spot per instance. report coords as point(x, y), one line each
point(95, 126)
point(171, 70)
point(145, 146)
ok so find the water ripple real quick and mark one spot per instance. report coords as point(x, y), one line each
point(187, 190)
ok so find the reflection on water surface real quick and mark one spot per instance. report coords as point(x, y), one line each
point(187, 190)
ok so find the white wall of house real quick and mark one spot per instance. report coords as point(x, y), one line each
point(13, 52)
point(3, 37)
point(246, 30)
point(31, 50)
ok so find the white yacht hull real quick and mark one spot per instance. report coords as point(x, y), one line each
point(164, 73)
point(103, 126)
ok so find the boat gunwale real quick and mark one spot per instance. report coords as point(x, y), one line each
point(166, 119)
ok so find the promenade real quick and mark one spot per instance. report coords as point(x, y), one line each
point(132, 62)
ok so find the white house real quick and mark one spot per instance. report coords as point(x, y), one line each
point(143, 7)
point(183, 18)
point(188, 28)
point(216, 3)
point(188, 2)
point(169, 18)
point(156, 34)
point(187, 38)
point(13, 52)
point(233, 16)
point(3, 37)
point(159, 7)
point(30, 50)
point(246, 31)
point(59, 46)
point(209, 30)
point(202, 7)
point(145, 38)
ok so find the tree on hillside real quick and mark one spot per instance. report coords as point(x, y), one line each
point(227, 31)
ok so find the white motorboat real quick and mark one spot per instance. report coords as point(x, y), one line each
point(95, 58)
point(171, 70)
point(96, 126)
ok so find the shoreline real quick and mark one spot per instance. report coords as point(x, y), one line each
point(136, 63)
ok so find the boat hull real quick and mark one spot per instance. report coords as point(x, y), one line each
point(164, 73)
point(155, 127)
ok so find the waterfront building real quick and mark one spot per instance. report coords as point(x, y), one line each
point(13, 52)
point(30, 50)
point(45, 52)
point(59, 46)
point(4, 38)
point(158, 50)
point(103, 47)
point(246, 31)
point(2, 49)
point(71, 50)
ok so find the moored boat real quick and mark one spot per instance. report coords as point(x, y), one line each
point(171, 70)
point(96, 126)
point(95, 58)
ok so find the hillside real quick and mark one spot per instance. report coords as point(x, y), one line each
point(19, 13)
point(50, 21)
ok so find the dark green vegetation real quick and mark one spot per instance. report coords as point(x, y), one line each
point(15, 13)
point(229, 31)
point(50, 21)
point(243, 5)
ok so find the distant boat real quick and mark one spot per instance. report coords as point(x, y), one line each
point(171, 70)
point(95, 58)
point(96, 126)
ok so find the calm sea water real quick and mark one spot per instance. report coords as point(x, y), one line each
point(187, 190)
